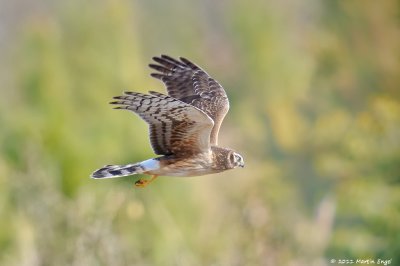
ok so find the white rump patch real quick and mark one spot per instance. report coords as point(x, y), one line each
point(150, 164)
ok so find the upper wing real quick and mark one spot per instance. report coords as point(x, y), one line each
point(190, 84)
point(175, 127)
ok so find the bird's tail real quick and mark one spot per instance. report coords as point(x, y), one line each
point(112, 171)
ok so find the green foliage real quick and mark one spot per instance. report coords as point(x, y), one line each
point(315, 109)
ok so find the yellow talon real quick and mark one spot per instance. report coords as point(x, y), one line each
point(142, 183)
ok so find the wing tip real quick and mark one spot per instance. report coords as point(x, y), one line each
point(158, 94)
point(129, 93)
point(189, 63)
point(151, 65)
point(167, 57)
point(158, 59)
point(157, 75)
point(184, 60)
point(167, 60)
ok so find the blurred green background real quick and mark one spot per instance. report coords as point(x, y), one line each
point(315, 111)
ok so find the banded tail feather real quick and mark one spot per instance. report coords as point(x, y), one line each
point(112, 171)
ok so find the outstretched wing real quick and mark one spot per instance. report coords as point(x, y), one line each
point(190, 84)
point(175, 127)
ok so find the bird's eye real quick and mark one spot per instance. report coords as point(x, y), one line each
point(238, 158)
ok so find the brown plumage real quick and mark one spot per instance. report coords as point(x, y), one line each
point(190, 84)
point(183, 125)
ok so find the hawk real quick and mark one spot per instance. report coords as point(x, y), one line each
point(183, 125)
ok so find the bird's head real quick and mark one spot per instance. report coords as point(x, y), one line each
point(235, 159)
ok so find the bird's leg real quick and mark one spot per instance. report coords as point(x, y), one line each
point(142, 183)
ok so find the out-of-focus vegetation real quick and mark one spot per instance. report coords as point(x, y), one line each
point(315, 109)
